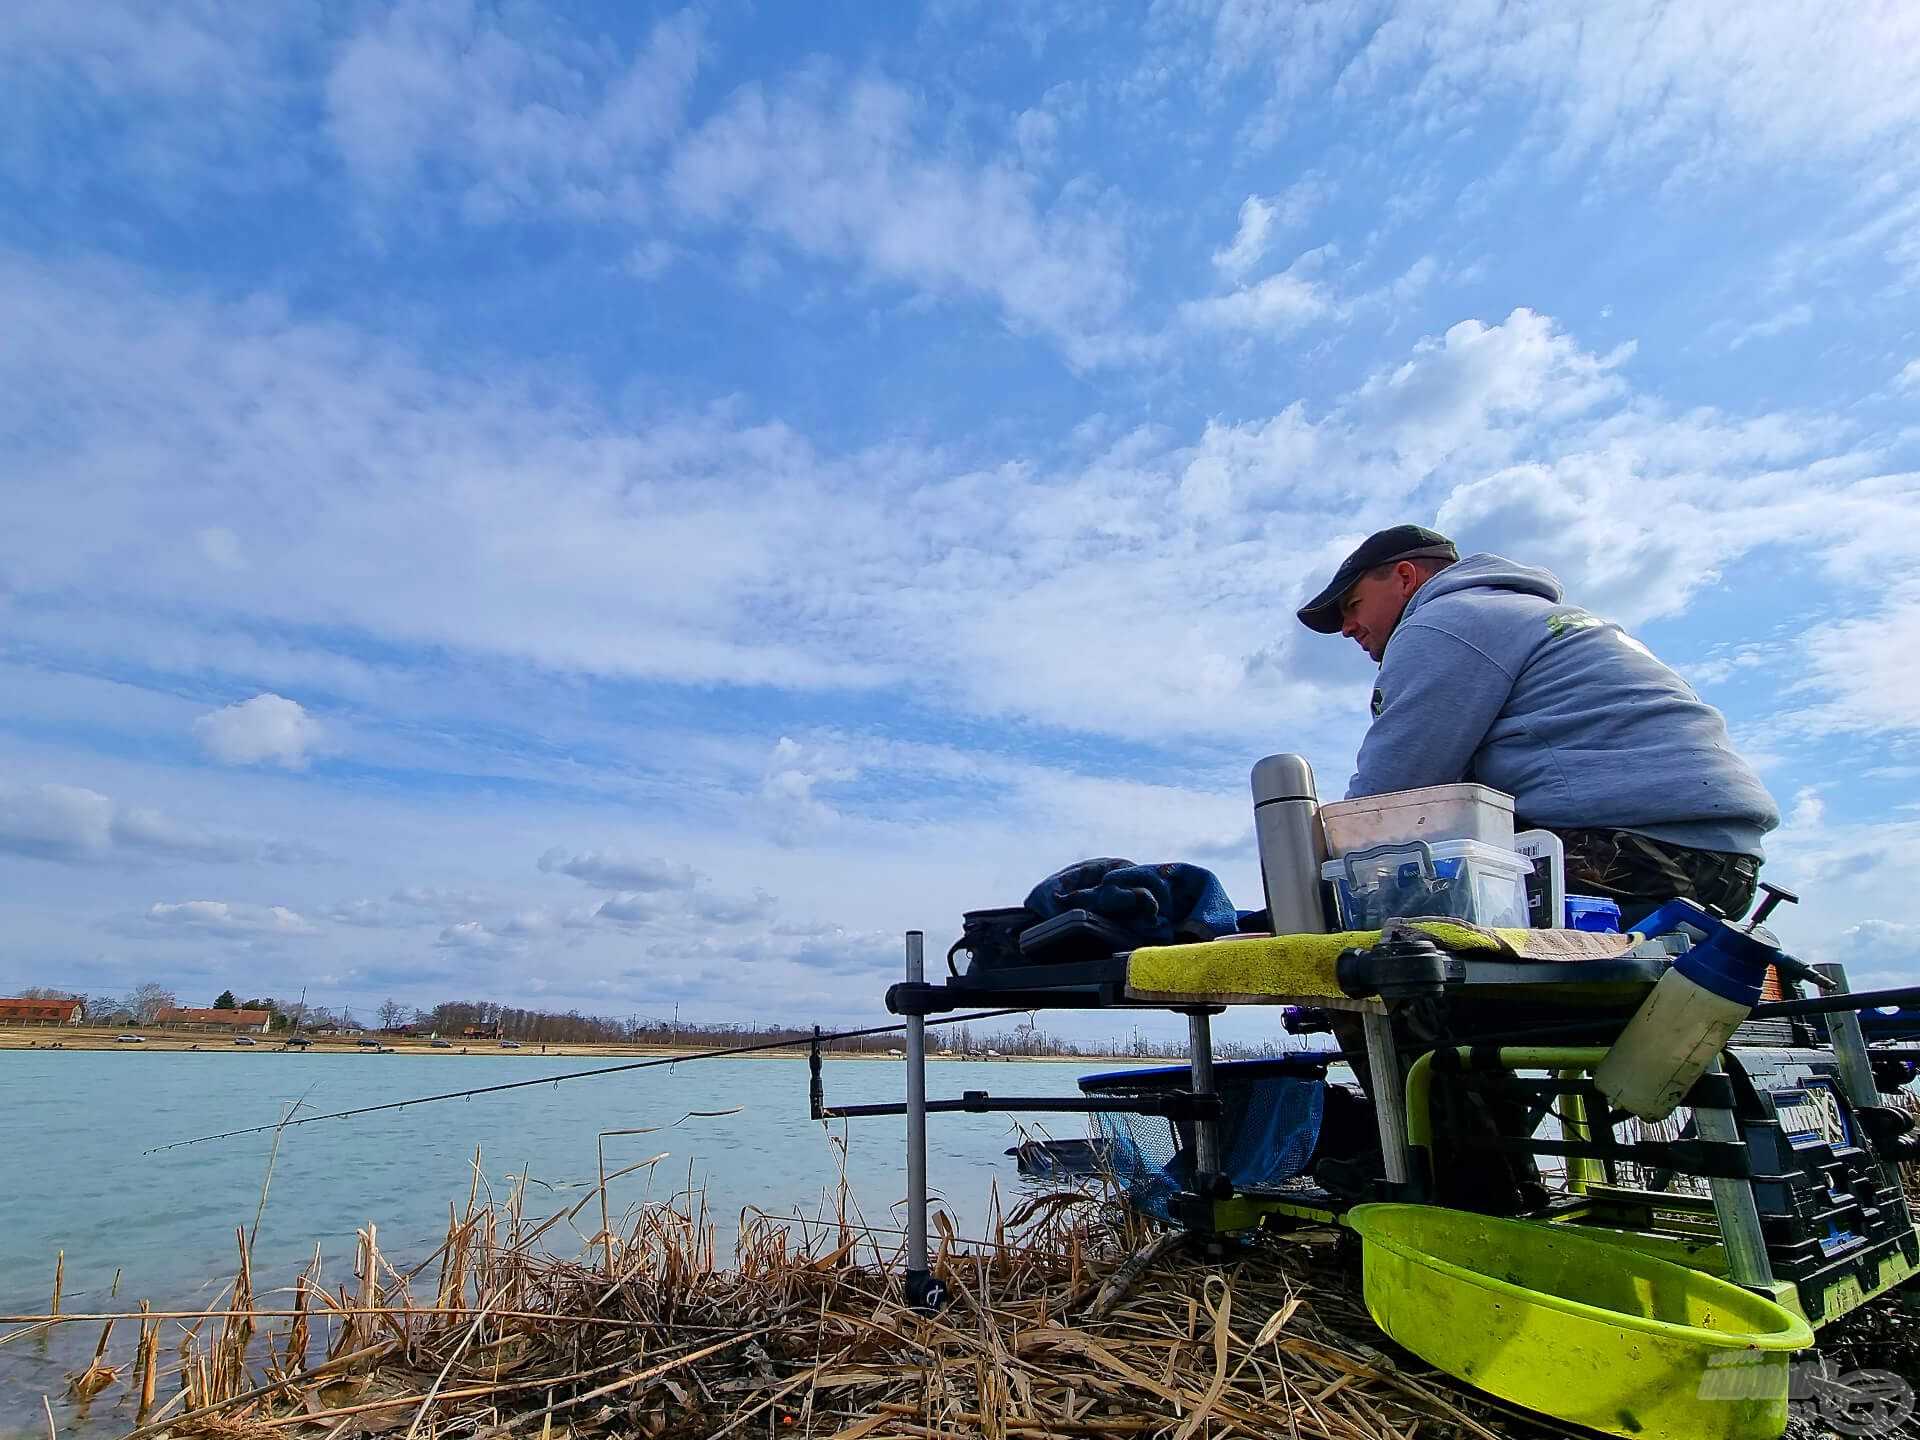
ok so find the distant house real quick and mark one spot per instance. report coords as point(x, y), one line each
point(41, 1012)
point(480, 1032)
point(240, 1022)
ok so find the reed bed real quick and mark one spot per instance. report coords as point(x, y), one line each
point(1070, 1317)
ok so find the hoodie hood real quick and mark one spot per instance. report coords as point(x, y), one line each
point(1486, 572)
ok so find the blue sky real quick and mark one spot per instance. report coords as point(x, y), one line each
point(622, 506)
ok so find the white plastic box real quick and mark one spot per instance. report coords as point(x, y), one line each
point(1435, 814)
point(1461, 879)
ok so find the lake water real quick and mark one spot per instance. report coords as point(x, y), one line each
point(75, 1127)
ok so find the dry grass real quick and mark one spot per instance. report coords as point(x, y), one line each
point(1071, 1317)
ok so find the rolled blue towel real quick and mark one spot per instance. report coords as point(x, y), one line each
point(1160, 904)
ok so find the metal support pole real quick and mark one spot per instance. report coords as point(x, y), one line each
point(1583, 1171)
point(1733, 1204)
point(1206, 1133)
point(1389, 1098)
point(923, 1291)
point(1849, 1044)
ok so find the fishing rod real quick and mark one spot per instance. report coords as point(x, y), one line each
point(814, 1039)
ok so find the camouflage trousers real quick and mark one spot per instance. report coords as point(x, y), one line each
point(1639, 873)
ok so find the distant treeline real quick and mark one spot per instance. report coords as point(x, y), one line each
point(460, 1019)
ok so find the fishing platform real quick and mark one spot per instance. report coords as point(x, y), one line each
point(1653, 1279)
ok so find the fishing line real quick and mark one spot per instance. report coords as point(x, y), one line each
point(585, 1075)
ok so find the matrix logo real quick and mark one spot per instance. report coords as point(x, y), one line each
point(1859, 1403)
point(1811, 1115)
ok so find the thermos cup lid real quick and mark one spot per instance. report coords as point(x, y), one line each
point(1282, 777)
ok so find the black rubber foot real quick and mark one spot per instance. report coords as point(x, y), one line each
point(924, 1293)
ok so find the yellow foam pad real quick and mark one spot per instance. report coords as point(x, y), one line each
point(1300, 969)
point(1270, 968)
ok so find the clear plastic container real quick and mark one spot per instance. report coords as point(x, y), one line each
point(1434, 814)
point(1461, 879)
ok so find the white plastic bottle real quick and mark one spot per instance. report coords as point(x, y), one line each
point(1685, 1022)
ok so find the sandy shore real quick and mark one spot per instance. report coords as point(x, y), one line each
point(81, 1037)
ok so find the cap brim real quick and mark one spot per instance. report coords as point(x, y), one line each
point(1322, 613)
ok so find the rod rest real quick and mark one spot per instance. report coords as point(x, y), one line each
point(1890, 1131)
point(1393, 970)
point(916, 997)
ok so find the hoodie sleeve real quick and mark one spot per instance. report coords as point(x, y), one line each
point(1438, 696)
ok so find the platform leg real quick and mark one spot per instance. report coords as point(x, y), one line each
point(1583, 1171)
point(1389, 1095)
point(1206, 1133)
point(1733, 1205)
point(1849, 1044)
point(923, 1291)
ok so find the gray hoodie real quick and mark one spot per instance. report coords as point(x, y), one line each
point(1488, 677)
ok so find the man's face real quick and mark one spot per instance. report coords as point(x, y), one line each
point(1370, 610)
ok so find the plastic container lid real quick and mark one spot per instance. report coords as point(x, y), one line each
point(1592, 912)
point(1434, 813)
point(1483, 856)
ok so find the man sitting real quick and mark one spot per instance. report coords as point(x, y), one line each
point(1487, 675)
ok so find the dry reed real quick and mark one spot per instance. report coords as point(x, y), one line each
point(1071, 1317)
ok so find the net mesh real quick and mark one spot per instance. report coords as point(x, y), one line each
point(1269, 1126)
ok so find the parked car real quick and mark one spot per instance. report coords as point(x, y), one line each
point(368, 1044)
point(296, 1042)
point(441, 1044)
point(131, 1039)
point(244, 1040)
point(509, 1044)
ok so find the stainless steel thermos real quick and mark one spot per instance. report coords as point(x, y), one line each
point(1286, 826)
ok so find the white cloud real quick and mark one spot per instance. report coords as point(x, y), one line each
point(521, 118)
point(230, 919)
point(654, 894)
point(789, 808)
point(75, 825)
point(266, 728)
point(1277, 305)
point(56, 822)
point(468, 521)
point(514, 113)
point(1249, 244)
point(530, 922)
point(1863, 669)
point(1262, 218)
point(610, 870)
point(685, 912)
point(833, 166)
point(1479, 378)
point(469, 935)
point(1723, 84)
point(1794, 317)
point(184, 92)
point(368, 914)
point(1908, 380)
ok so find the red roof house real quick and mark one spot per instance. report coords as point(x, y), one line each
point(236, 1020)
point(41, 1012)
